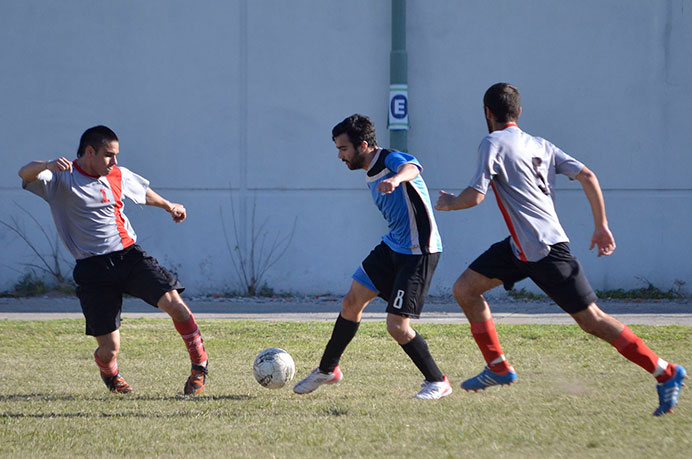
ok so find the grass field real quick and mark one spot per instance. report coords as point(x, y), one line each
point(576, 396)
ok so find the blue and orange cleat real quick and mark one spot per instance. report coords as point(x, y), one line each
point(669, 391)
point(487, 378)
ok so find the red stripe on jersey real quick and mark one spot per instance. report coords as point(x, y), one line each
point(508, 222)
point(115, 179)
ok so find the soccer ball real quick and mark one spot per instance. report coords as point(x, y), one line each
point(273, 368)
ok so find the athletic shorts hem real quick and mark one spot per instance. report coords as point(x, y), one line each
point(559, 274)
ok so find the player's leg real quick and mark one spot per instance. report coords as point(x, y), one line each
point(494, 267)
point(468, 290)
point(185, 324)
point(148, 280)
point(435, 385)
point(561, 276)
point(345, 328)
point(670, 377)
point(101, 302)
point(106, 358)
point(406, 299)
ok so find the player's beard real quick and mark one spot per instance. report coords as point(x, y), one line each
point(356, 162)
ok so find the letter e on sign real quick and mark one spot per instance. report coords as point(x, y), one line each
point(398, 107)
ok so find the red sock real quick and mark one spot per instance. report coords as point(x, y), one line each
point(633, 349)
point(486, 338)
point(193, 340)
point(107, 369)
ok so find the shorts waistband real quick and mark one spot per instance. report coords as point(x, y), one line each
point(109, 256)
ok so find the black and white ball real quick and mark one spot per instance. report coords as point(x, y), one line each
point(273, 368)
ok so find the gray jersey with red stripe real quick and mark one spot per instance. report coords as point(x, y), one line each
point(521, 170)
point(88, 210)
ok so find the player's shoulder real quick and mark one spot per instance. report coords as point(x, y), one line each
point(124, 172)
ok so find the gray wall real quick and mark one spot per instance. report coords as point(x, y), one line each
point(233, 101)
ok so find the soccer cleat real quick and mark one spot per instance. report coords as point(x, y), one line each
point(117, 384)
point(487, 378)
point(316, 379)
point(434, 390)
point(195, 383)
point(669, 391)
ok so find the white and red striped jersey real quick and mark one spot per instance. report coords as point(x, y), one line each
point(521, 170)
point(89, 211)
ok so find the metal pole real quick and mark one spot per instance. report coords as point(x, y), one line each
point(398, 79)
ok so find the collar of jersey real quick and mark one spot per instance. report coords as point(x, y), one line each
point(374, 159)
point(76, 166)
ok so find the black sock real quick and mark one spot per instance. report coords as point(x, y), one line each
point(343, 333)
point(417, 349)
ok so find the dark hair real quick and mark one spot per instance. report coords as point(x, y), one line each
point(358, 128)
point(504, 101)
point(96, 137)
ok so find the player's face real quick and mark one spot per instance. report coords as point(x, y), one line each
point(348, 153)
point(103, 160)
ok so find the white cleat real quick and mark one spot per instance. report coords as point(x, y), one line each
point(316, 379)
point(434, 390)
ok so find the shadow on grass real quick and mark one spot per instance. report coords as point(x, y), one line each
point(129, 397)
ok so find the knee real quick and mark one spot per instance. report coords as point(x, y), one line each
point(399, 328)
point(175, 307)
point(350, 305)
point(463, 292)
point(399, 332)
point(179, 312)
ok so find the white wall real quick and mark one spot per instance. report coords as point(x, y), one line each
point(217, 100)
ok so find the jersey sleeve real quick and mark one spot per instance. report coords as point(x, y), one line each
point(566, 165)
point(396, 159)
point(485, 170)
point(44, 186)
point(134, 186)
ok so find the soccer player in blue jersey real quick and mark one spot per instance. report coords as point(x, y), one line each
point(399, 269)
point(521, 170)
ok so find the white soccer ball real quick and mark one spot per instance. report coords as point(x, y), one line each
point(273, 368)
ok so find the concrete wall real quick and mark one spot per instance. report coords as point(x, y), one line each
point(233, 101)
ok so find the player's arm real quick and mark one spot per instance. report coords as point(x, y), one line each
point(30, 172)
point(405, 173)
point(176, 210)
point(602, 237)
point(470, 197)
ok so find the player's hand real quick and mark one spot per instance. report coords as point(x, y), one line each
point(387, 186)
point(603, 238)
point(59, 165)
point(178, 212)
point(445, 201)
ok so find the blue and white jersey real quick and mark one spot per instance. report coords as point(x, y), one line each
point(407, 210)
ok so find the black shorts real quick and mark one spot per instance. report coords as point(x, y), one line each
point(102, 279)
point(401, 280)
point(558, 274)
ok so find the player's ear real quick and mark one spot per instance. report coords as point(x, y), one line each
point(363, 146)
point(488, 113)
point(89, 150)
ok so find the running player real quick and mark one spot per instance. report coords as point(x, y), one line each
point(521, 171)
point(86, 201)
point(399, 269)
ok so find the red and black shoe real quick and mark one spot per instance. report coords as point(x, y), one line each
point(117, 384)
point(195, 383)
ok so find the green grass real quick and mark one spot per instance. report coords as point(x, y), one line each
point(576, 396)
